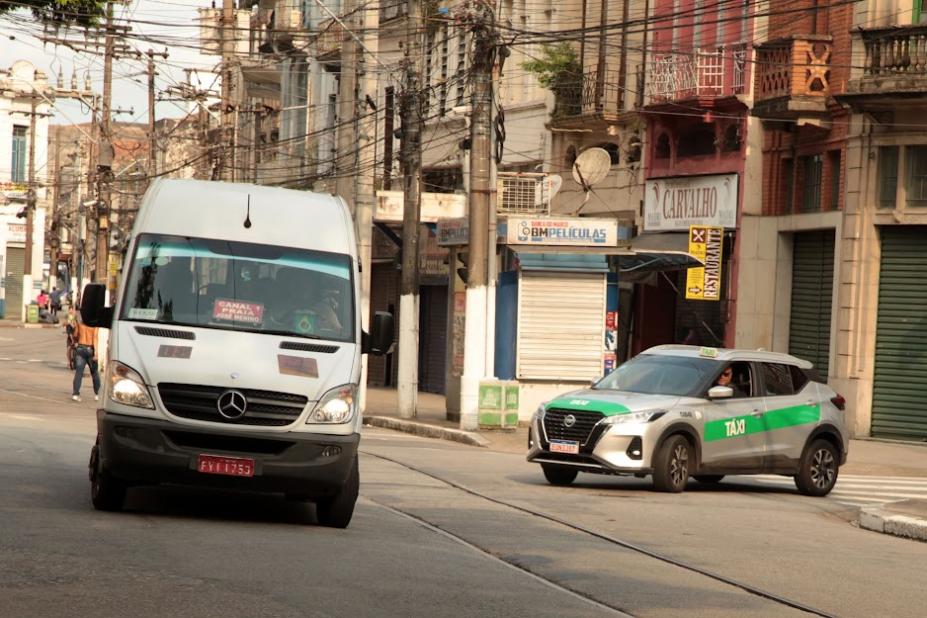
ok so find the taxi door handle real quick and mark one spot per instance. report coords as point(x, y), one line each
point(757, 413)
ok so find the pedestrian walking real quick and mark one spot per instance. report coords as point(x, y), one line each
point(54, 303)
point(86, 355)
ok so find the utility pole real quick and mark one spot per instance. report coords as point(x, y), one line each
point(30, 209)
point(105, 155)
point(55, 239)
point(411, 157)
point(480, 204)
point(364, 199)
point(227, 153)
point(152, 143)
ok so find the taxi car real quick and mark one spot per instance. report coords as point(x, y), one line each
point(676, 411)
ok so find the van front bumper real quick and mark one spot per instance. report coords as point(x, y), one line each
point(145, 451)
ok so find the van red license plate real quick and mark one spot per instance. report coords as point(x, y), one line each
point(227, 466)
point(564, 446)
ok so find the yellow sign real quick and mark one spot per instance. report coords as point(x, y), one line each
point(706, 243)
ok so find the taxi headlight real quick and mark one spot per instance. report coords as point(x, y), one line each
point(335, 406)
point(127, 387)
point(539, 413)
point(635, 417)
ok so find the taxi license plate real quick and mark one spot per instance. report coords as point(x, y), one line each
point(564, 446)
point(227, 466)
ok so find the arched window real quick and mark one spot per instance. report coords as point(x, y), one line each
point(697, 141)
point(614, 152)
point(570, 157)
point(662, 150)
point(731, 142)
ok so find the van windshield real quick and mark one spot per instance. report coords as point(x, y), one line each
point(240, 286)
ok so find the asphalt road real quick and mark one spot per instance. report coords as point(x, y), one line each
point(440, 530)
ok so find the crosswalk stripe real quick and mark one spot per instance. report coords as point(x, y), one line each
point(855, 490)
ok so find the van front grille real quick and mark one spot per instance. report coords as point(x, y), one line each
point(264, 408)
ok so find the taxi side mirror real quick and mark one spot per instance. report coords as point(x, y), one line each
point(720, 392)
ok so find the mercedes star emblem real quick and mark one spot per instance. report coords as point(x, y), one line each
point(569, 420)
point(232, 405)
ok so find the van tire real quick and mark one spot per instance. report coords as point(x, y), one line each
point(672, 463)
point(336, 511)
point(818, 470)
point(559, 475)
point(708, 479)
point(107, 493)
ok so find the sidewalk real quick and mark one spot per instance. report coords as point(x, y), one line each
point(868, 457)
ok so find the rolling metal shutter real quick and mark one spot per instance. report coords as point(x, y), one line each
point(13, 282)
point(812, 297)
point(561, 326)
point(900, 384)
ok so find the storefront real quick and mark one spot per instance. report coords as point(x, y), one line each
point(557, 311)
point(664, 310)
point(13, 260)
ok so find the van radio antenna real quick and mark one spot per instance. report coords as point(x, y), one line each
point(248, 214)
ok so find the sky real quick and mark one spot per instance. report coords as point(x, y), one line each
point(176, 25)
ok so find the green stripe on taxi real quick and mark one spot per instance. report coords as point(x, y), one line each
point(608, 408)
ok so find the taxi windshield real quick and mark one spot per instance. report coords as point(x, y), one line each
point(655, 374)
point(240, 286)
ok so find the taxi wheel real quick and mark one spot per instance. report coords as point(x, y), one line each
point(336, 511)
point(709, 479)
point(817, 473)
point(671, 464)
point(558, 475)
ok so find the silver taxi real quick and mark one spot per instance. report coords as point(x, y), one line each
point(676, 411)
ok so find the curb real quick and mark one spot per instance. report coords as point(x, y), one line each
point(428, 431)
point(879, 520)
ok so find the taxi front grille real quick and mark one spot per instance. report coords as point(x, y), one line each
point(264, 408)
point(556, 424)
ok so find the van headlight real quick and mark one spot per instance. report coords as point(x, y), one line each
point(127, 387)
point(335, 406)
point(634, 417)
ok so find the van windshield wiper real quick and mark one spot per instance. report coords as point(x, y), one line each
point(285, 333)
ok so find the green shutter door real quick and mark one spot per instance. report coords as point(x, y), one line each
point(812, 294)
point(899, 389)
point(13, 282)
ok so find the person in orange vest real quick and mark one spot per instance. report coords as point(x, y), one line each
point(86, 355)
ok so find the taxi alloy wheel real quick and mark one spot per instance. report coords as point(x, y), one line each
point(671, 465)
point(819, 468)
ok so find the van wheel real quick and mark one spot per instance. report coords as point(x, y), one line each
point(817, 473)
point(106, 492)
point(708, 479)
point(671, 465)
point(336, 511)
point(559, 475)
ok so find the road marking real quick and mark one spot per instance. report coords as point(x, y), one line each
point(55, 401)
point(26, 417)
point(854, 490)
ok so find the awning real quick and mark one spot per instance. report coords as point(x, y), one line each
point(645, 254)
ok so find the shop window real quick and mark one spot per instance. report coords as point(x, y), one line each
point(731, 141)
point(833, 158)
point(662, 150)
point(696, 142)
point(888, 176)
point(916, 175)
point(614, 152)
point(812, 169)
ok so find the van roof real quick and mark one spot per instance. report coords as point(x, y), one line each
point(212, 209)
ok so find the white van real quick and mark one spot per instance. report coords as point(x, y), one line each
point(235, 347)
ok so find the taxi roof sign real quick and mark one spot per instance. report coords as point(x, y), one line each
point(708, 352)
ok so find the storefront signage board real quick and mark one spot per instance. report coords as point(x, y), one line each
point(677, 203)
point(434, 206)
point(563, 231)
point(706, 243)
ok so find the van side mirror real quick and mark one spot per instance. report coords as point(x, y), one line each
point(92, 309)
point(380, 339)
point(720, 392)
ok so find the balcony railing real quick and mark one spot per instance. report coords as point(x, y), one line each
point(893, 51)
point(605, 96)
point(331, 37)
point(715, 72)
point(793, 76)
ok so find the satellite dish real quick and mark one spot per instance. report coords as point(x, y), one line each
point(545, 191)
point(591, 167)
